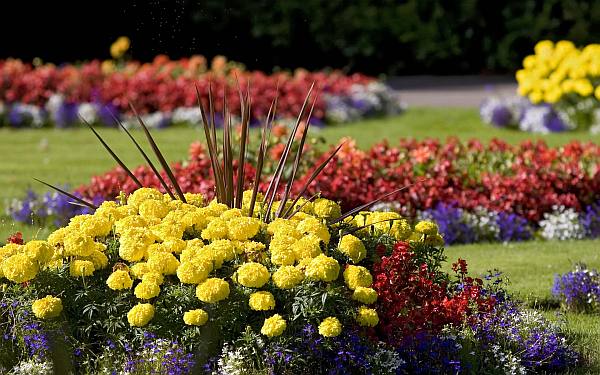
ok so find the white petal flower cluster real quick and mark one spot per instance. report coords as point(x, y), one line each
point(561, 224)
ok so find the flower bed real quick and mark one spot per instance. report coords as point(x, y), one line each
point(171, 282)
point(208, 288)
point(476, 192)
point(164, 92)
point(559, 88)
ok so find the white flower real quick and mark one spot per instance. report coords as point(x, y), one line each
point(561, 224)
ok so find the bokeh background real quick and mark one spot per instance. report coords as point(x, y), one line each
point(375, 37)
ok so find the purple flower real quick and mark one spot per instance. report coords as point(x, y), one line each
point(578, 290)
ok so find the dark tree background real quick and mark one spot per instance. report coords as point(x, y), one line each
point(377, 36)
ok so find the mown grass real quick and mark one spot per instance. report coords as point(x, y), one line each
point(530, 268)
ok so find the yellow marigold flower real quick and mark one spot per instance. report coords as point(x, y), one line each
point(367, 317)
point(436, 240)
point(39, 251)
point(364, 295)
point(231, 214)
point(119, 279)
point(353, 248)
point(110, 211)
point(96, 226)
point(138, 270)
point(390, 223)
point(427, 227)
point(57, 238)
point(136, 198)
point(99, 259)
point(164, 263)
point(79, 268)
point(252, 275)
point(220, 251)
point(544, 48)
point(134, 243)
point(196, 317)
point(535, 96)
point(126, 223)
point(47, 308)
point(307, 247)
point(119, 47)
point(583, 87)
point(19, 268)
point(273, 326)
point(10, 249)
point(212, 290)
point(140, 315)
point(307, 207)
point(168, 229)
point(174, 245)
point(194, 220)
point(191, 272)
point(597, 93)
point(330, 327)
point(215, 230)
point(78, 244)
point(214, 208)
point(153, 208)
point(242, 228)
point(191, 251)
point(287, 277)
point(529, 62)
point(356, 276)
point(312, 225)
point(252, 247)
point(327, 209)
point(146, 290)
point(282, 255)
point(194, 199)
point(553, 95)
point(262, 301)
point(281, 226)
point(416, 237)
point(153, 277)
point(323, 268)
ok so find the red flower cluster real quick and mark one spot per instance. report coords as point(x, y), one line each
point(413, 298)
point(164, 85)
point(527, 179)
point(16, 238)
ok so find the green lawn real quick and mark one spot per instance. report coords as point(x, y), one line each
point(530, 268)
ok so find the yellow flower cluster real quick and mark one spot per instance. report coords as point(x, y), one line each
point(47, 308)
point(560, 69)
point(164, 241)
point(390, 223)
